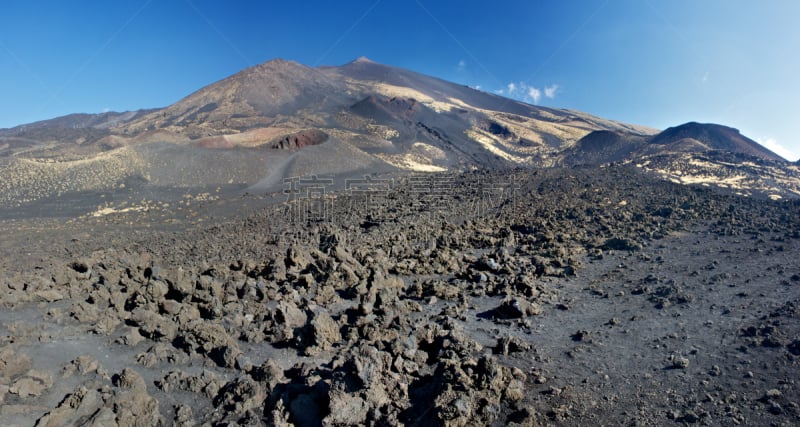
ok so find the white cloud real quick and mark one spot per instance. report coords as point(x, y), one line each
point(462, 65)
point(477, 87)
point(777, 148)
point(534, 94)
point(550, 91)
point(527, 92)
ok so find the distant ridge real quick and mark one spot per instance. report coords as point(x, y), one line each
point(604, 146)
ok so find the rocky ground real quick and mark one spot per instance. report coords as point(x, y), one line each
point(560, 296)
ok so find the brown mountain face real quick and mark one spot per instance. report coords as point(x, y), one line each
point(255, 97)
point(282, 118)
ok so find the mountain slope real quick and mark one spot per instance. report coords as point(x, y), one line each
point(253, 97)
point(353, 119)
point(384, 79)
point(267, 102)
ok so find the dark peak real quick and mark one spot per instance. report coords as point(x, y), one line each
point(702, 127)
point(714, 137)
point(700, 131)
point(603, 138)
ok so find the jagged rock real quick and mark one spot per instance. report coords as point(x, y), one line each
point(487, 263)
point(136, 408)
point(82, 365)
point(526, 285)
point(326, 295)
point(269, 372)
point(154, 291)
point(83, 402)
point(206, 337)
point(243, 363)
point(472, 392)
point(154, 326)
point(32, 384)
point(174, 380)
point(161, 353)
point(129, 378)
point(345, 410)
point(380, 280)
point(286, 317)
point(119, 407)
point(183, 416)
point(226, 356)
point(180, 285)
point(240, 395)
point(679, 362)
point(207, 383)
point(508, 345)
point(515, 390)
point(12, 364)
point(443, 290)
point(84, 312)
point(581, 336)
point(321, 333)
point(516, 308)
point(297, 258)
point(368, 364)
point(131, 338)
point(106, 323)
point(279, 416)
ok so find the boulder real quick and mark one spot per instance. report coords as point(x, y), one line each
point(516, 308)
point(32, 384)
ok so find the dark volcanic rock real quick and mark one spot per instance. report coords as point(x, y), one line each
point(515, 308)
point(465, 316)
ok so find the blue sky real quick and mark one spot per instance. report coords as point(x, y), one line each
point(649, 62)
